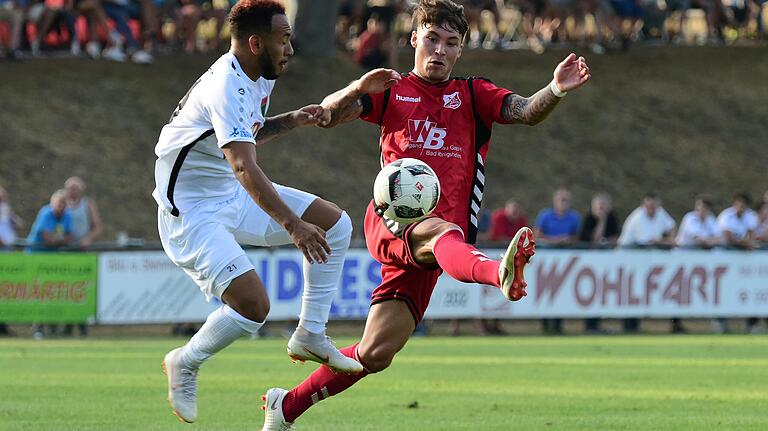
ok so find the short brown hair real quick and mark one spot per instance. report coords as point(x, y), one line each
point(443, 13)
point(249, 17)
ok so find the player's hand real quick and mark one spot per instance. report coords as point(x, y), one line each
point(311, 115)
point(310, 239)
point(572, 73)
point(377, 80)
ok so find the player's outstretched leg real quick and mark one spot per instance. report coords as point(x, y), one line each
point(221, 328)
point(309, 342)
point(387, 329)
point(443, 242)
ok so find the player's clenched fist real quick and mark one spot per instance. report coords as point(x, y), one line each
point(311, 115)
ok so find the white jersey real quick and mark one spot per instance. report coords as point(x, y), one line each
point(223, 106)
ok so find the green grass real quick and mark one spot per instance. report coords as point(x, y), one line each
point(573, 383)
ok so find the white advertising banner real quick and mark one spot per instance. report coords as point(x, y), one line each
point(145, 287)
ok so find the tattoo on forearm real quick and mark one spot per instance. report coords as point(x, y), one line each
point(531, 110)
point(273, 127)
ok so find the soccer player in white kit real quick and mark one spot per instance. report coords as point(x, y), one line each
point(212, 195)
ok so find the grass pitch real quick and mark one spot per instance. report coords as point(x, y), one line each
point(511, 383)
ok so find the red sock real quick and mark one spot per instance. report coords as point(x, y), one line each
point(464, 262)
point(320, 385)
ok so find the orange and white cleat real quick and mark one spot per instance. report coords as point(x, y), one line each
point(307, 346)
point(182, 387)
point(520, 251)
point(273, 411)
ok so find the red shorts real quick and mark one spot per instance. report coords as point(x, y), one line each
point(401, 277)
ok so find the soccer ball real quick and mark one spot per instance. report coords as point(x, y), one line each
point(406, 191)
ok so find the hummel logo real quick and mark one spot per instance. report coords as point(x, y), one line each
point(408, 99)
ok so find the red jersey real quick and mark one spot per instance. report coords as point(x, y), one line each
point(446, 125)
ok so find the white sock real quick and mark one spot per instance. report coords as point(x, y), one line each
point(221, 328)
point(322, 279)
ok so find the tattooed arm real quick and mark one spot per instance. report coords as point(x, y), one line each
point(279, 124)
point(529, 110)
point(569, 75)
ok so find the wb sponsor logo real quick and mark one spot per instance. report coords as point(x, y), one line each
point(426, 132)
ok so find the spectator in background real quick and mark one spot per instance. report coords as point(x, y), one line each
point(557, 225)
point(189, 16)
point(121, 11)
point(52, 229)
point(601, 227)
point(86, 221)
point(372, 49)
point(505, 222)
point(738, 223)
point(648, 225)
point(473, 10)
point(12, 14)
point(761, 232)
point(9, 222)
point(699, 227)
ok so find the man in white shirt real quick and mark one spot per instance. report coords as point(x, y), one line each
point(738, 223)
point(699, 227)
point(648, 225)
point(212, 195)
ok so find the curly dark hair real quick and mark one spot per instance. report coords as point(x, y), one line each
point(250, 17)
point(443, 13)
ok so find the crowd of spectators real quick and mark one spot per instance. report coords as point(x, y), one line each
point(118, 30)
point(136, 30)
point(373, 29)
point(647, 226)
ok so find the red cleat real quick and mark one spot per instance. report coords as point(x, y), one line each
point(520, 251)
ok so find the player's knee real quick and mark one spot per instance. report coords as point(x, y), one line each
point(255, 307)
point(376, 359)
point(344, 225)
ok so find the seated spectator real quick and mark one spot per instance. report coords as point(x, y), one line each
point(86, 221)
point(9, 222)
point(53, 225)
point(648, 225)
point(121, 11)
point(761, 232)
point(601, 226)
point(189, 16)
point(473, 10)
point(559, 224)
point(738, 223)
point(699, 227)
point(372, 50)
point(505, 222)
point(12, 13)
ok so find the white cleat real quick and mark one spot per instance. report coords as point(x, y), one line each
point(273, 411)
point(518, 254)
point(182, 387)
point(306, 346)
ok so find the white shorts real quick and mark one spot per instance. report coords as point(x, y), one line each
point(205, 241)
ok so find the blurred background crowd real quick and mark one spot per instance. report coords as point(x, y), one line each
point(138, 30)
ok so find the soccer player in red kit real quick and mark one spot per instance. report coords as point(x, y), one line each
point(445, 122)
